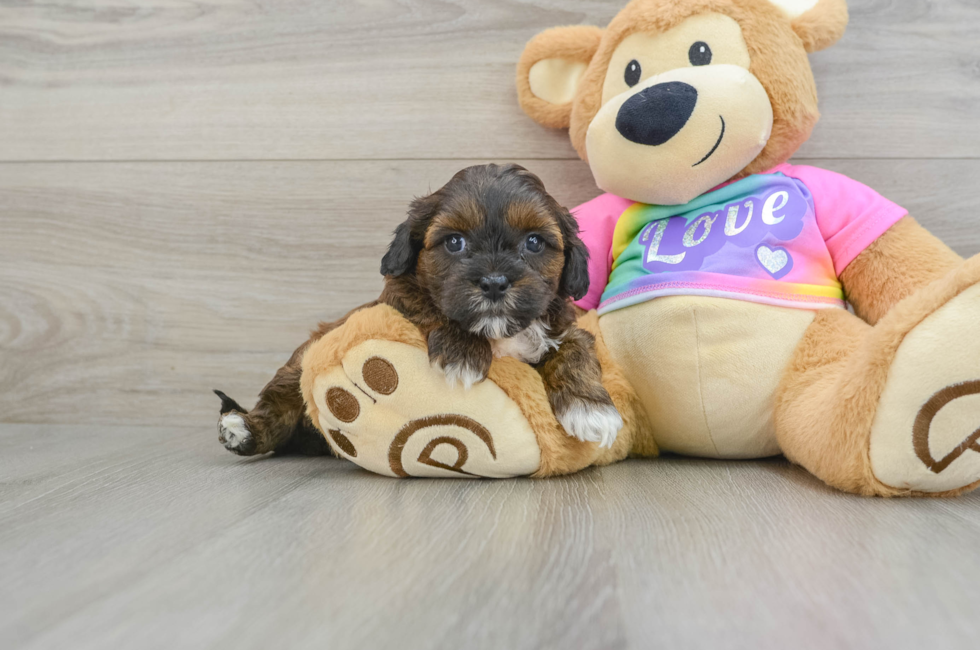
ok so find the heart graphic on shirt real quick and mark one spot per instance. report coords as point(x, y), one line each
point(776, 261)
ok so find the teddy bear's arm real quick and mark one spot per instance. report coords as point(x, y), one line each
point(904, 259)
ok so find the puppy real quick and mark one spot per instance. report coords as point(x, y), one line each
point(484, 267)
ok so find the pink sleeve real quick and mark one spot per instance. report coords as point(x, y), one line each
point(850, 215)
point(597, 222)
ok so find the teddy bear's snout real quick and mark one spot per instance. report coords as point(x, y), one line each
point(656, 114)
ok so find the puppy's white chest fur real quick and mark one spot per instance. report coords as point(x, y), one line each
point(528, 345)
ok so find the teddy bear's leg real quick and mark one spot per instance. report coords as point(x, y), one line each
point(370, 388)
point(891, 409)
point(901, 262)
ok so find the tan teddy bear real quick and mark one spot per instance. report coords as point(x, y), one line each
point(719, 274)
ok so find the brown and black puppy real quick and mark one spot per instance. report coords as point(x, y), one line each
point(484, 267)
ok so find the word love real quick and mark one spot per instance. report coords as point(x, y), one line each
point(682, 243)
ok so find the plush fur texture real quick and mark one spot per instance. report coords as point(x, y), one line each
point(830, 392)
point(823, 25)
point(577, 44)
point(777, 50)
point(900, 262)
point(372, 322)
point(829, 395)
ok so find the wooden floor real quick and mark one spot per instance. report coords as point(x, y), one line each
point(155, 537)
point(185, 188)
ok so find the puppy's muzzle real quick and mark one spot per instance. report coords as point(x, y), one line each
point(656, 114)
point(494, 286)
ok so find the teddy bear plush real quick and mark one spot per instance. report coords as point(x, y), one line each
point(720, 276)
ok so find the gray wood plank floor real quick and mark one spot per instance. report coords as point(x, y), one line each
point(185, 188)
point(229, 79)
point(153, 537)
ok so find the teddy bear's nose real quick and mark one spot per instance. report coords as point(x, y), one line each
point(656, 114)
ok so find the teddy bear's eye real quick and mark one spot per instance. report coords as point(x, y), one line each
point(633, 72)
point(699, 54)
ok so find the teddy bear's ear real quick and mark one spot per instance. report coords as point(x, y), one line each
point(550, 69)
point(819, 23)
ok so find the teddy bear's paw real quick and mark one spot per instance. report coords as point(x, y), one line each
point(389, 410)
point(591, 421)
point(926, 433)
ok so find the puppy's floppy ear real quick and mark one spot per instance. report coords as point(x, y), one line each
point(575, 275)
point(409, 239)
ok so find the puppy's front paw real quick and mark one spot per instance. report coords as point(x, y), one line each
point(464, 358)
point(233, 433)
point(591, 421)
point(464, 372)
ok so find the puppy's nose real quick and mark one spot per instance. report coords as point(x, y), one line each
point(656, 114)
point(494, 286)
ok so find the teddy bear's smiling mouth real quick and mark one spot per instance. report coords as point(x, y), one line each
point(717, 144)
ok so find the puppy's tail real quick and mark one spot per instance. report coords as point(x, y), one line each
point(228, 404)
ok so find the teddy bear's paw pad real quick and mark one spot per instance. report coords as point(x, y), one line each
point(926, 434)
point(388, 410)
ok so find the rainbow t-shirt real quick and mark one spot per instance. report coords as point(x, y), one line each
point(781, 238)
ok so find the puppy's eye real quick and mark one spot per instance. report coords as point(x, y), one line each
point(699, 54)
point(534, 244)
point(633, 72)
point(455, 243)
